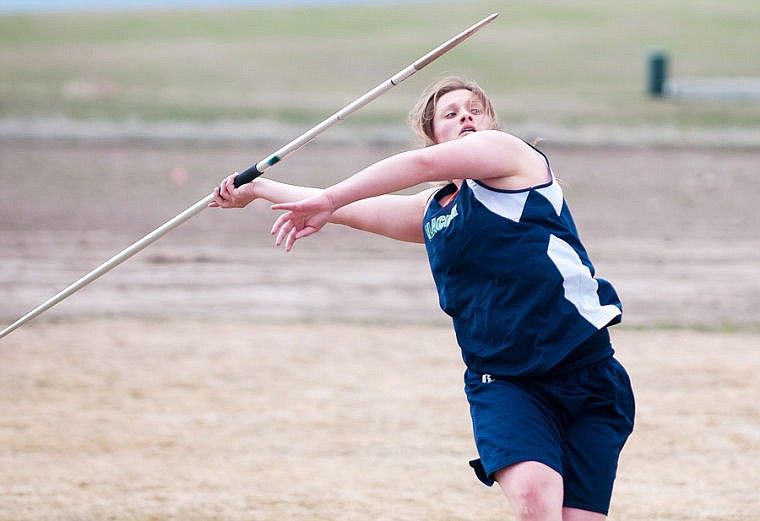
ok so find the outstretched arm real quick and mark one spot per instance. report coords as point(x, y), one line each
point(499, 159)
point(395, 216)
point(226, 195)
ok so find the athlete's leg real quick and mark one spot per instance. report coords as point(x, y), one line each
point(534, 491)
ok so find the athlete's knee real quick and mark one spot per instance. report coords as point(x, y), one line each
point(534, 491)
point(531, 503)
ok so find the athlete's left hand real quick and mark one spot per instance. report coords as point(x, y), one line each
point(302, 219)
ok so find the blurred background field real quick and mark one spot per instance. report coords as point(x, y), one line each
point(577, 65)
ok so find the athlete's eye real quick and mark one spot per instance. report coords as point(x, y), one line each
point(476, 111)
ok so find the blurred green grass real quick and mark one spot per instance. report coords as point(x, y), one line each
point(547, 62)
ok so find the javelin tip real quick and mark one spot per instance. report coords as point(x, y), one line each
point(487, 20)
point(453, 42)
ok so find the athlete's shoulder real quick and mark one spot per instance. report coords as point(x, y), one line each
point(497, 137)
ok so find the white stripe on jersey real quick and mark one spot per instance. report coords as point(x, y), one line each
point(580, 287)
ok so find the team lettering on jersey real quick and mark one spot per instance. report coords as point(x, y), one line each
point(437, 224)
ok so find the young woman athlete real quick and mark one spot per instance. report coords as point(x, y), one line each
point(551, 407)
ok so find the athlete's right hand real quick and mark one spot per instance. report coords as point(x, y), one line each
point(227, 196)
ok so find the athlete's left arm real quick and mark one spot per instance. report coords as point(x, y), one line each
point(487, 154)
point(499, 159)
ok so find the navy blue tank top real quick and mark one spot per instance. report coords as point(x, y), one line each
point(513, 275)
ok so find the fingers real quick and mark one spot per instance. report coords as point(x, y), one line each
point(284, 229)
point(226, 187)
point(223, 197)
point(290, 240)
point(287, 230)
point(279, 223)
point(284, 206)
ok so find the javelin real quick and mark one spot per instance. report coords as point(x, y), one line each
point(253, 171)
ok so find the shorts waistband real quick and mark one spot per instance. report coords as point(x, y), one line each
point(594, 349)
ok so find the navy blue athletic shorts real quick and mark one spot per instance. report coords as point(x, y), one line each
point(576, 422)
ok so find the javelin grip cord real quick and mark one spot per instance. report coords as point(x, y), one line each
point(247, 175)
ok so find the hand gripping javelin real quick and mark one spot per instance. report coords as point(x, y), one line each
point(252, 172)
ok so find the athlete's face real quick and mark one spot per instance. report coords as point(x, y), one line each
point(457, 114)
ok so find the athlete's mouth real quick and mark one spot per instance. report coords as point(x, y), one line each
point(468, 128)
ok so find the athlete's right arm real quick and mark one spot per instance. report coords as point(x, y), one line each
point(227, 195)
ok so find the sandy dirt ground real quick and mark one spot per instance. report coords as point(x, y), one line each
point(191, 420)
point(215, 377)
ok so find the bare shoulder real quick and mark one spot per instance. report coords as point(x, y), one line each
point(507, 143)
point(501, 158)
point(498, 136)
point(524, 165)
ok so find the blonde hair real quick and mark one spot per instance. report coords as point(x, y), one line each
point(421, 117)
